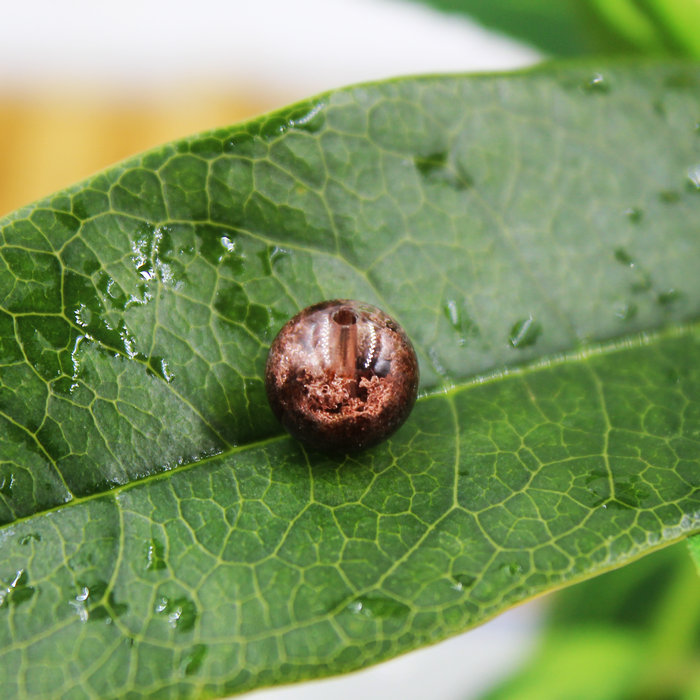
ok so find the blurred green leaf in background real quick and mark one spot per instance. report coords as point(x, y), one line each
point(584, 27)
point(694, 547)
point(632, 633)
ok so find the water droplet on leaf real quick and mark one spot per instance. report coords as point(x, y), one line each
point(7, 482)
point(623, 257)
point(435, 169)
point(155, 556)
point(377, 606)
point(669, 196)
point(192, 661)
point(463, 582)
point(17, 591)
point(524, 333)
point(277, 255)
point(668, 297)
point(630, 493)
point(673, 376)
point(634, 214)
point(83, 316)
point(460, 321)
point(512, 569)
point(308, 119)
point(30, 537)
point(181, 612)
point(596, 83)
point(598, 485)
point(625, 311)
point(158, 366)
point(94, 603)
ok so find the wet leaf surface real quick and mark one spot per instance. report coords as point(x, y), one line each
point(535, 234)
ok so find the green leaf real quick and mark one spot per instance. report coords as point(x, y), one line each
point(576, 27)
point(536, 235)
point(561, 28)
point(694, 547)
point(655, 25)
point(630, 633)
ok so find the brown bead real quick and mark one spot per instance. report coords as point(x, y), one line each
point(341, 375)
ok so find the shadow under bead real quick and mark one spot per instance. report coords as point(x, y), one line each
point(341, 375)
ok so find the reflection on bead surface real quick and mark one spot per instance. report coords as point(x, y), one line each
point(341, 375)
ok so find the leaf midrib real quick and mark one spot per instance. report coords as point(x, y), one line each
point(448, 390)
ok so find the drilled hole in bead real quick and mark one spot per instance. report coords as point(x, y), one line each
point(344, 317)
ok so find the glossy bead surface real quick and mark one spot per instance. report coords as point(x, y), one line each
point(341, 375)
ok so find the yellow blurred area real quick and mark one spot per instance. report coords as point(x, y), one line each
point(50, 141)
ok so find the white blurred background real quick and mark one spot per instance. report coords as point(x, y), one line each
point(84, 84)
point(267, 48)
